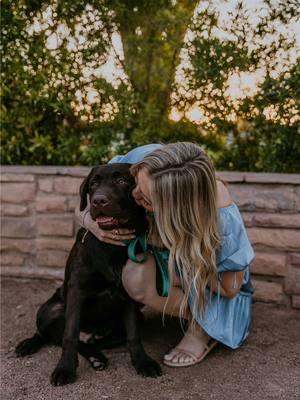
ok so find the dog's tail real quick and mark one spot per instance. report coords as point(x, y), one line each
point(30, 345)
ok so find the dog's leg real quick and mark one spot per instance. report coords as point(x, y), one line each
point(65, 371)
point(143, 364)
point(93, 355)
point(108, 342)
point(50, 325)
point(114, 338)
point(30, 345)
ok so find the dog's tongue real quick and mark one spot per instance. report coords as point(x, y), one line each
point(103, 220)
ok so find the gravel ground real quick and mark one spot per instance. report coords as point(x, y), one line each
point(266, 367)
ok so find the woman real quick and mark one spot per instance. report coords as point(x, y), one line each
point(209, 252)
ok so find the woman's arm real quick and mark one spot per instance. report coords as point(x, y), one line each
point(229, 279)
point(85, 220)
point(81, 215)
point(227, 288)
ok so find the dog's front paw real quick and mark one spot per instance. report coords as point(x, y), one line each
point(63, 375)
point(146, 366)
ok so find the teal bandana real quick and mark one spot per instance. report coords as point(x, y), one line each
point(161, 258)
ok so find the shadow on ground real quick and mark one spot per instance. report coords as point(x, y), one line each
point(266, 367)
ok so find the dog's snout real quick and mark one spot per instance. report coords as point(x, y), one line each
point(100, 200)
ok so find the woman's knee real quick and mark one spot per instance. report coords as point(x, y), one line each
point(139, 279)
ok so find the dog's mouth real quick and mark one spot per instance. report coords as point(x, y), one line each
point(107, 222)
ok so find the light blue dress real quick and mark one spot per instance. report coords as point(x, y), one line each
point(226, 320)
point(229, 320)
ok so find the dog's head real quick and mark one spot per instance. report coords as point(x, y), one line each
point(111, 204)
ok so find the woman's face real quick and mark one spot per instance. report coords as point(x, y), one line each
point(141, 192)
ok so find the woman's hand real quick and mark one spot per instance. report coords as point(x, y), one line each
point(115, 236)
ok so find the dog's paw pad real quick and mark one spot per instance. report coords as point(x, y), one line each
point(97, 364)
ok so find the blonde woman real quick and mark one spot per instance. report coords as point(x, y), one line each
point(194, 218)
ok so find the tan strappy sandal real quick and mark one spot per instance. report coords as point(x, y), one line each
point(194, 360)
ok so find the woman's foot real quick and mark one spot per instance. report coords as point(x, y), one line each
point(193, 348)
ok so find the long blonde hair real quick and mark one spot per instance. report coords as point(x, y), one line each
point(184, 194)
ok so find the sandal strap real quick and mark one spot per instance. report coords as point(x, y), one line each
point(207, 348)
point(185, 352)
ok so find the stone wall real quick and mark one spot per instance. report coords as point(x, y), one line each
point(38, 225)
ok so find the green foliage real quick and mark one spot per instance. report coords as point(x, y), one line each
point(268, 145)
point(260, 130)
point(57, 107)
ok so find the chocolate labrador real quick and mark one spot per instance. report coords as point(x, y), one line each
point(92, 298)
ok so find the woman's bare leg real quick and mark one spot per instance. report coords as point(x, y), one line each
point(139, 281)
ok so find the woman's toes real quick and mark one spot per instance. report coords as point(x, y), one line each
point(175, 358)
point(170, 355)
point(185, 359)
point(181, 358)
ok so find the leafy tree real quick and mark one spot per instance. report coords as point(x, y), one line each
point(260, 130)
point(57, 108)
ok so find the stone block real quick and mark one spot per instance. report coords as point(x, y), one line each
point(228, 176)
point(51, 226)
point(277, 220)
point(242, 195)
point(16, 178)
point(14, 210)
point(292, 280)
point(269, 264)
point(17, 245)
point(17, 192)
point(54, 244)
point(266, 177)
point(296, 301)
point(45, 170)
point(72, 203)
point(280, 239)
point(12, 259)
point(294, 259)
point(264, 197)
point(269, 292)
point(67, 185)
point(297, 190)
point(51, 258)
point(17, 227)
point(51, 204)
point(45, 185)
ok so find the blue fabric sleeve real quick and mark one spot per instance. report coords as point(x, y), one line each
point(236, 252)
point(136, 155)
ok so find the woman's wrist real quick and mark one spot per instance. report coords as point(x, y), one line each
point(90, 224)
point(81, 215)
point(85, 216)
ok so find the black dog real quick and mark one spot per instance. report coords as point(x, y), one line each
point(92, 298)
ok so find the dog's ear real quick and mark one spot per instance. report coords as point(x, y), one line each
point(84, 190)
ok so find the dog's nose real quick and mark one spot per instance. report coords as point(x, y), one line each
point(100, 200)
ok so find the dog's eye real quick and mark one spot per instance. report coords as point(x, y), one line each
point(93, 183)
point(121, 181)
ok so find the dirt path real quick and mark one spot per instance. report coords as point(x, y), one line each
point(267, 367)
